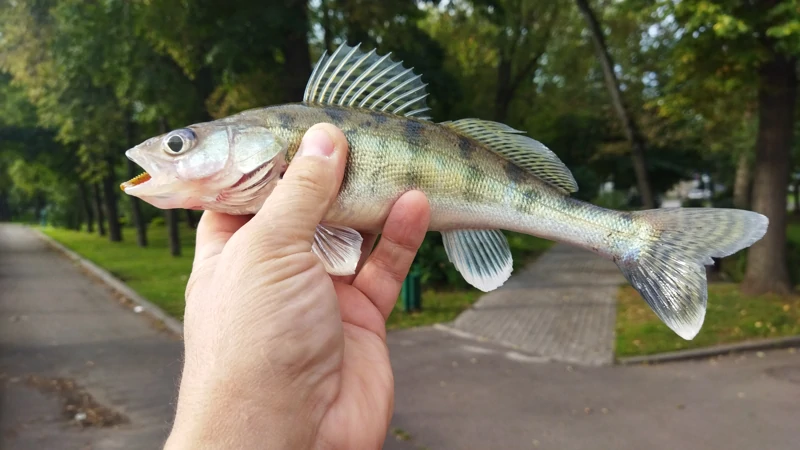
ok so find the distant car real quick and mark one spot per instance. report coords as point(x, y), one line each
point(699, 194)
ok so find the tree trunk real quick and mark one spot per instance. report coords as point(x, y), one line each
point(297, 66)
point(98, 207)
point(110, 199)
point(629, 126)
point(5, 208)
point(796, 197)
point(76, 217)
point(502, 96)
point(86, 204)
point(38, 204)
point(327, 33)
point(741, 185)
point(767, 269)
point(171, 217)
point(136, 210)
point(191, 220)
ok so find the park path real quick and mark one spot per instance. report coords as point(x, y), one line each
point(562, 307)
point(452, 392)
point(60, 328)
point(457, 394)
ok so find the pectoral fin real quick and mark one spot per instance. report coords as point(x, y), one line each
point(339, 248)
point(481, 256)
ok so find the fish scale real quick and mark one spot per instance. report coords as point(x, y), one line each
point(480, 177)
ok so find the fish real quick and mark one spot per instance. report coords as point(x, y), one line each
point(480, 177)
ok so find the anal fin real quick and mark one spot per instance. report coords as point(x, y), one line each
point(483, 257)
point(339, 248)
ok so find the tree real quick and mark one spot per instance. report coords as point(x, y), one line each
point(632, 132)
point(54, 65)
point(754, 45)
point(522, 30)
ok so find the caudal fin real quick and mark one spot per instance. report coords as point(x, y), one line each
point(669, 271)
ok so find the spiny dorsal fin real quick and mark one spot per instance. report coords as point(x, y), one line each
point(523, 151)
point(350, 77)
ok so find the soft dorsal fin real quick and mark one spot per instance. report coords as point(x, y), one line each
point(523, 151)
point(350, 77)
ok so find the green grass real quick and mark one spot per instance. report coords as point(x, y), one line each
point(731, 317)
point(437, 307)
point(161, 278)
point(150, 271)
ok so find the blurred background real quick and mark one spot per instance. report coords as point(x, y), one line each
point(650, 103)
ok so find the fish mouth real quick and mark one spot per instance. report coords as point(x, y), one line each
point(135, 181)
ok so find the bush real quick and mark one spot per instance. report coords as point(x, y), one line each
point(437, 270)
point(439, 273)
point(612, 200)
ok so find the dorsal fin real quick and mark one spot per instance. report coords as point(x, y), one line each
point(350, 77)
point(523, 151)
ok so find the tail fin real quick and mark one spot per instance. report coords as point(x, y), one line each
point(668, 269)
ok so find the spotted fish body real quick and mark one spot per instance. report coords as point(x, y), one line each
point(480, 177)
point(467, 184)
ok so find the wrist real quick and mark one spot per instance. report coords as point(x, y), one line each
point(222, 412)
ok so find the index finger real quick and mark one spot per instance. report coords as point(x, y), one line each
point(382, 275)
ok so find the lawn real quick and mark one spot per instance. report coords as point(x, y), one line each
point(731, 317)
point(161, 278)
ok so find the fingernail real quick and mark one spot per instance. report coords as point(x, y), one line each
point(316, 143)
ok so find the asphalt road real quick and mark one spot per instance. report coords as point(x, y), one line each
point(67, 347)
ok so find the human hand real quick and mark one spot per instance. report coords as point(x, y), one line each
point(278, 353)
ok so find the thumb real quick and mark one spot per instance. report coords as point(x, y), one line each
point(301, 199)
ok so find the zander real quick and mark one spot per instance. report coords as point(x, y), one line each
point(480, 177)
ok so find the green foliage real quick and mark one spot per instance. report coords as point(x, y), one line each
point(81, 81)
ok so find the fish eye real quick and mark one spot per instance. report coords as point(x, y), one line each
point(179, 141)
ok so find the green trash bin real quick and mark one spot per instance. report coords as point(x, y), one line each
point(411, 293)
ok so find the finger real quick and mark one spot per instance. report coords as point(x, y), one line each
point(383, 273)
point(366, 249)
point(289, 217)
point(213, 232)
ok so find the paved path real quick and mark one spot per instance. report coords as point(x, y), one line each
point(56, 323)
point(456, 394)
point(451, 392)
point(561, 307)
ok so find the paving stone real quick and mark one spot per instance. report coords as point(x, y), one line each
point(562, 307)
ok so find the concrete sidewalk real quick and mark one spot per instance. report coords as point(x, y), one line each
point(562, 308)
point(58, 327)
point(455, 394)
point(63, 335)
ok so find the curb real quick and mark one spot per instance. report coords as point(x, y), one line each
point(116, 285)
point(708, 352)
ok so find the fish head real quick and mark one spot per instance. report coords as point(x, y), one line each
point(217, 166)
